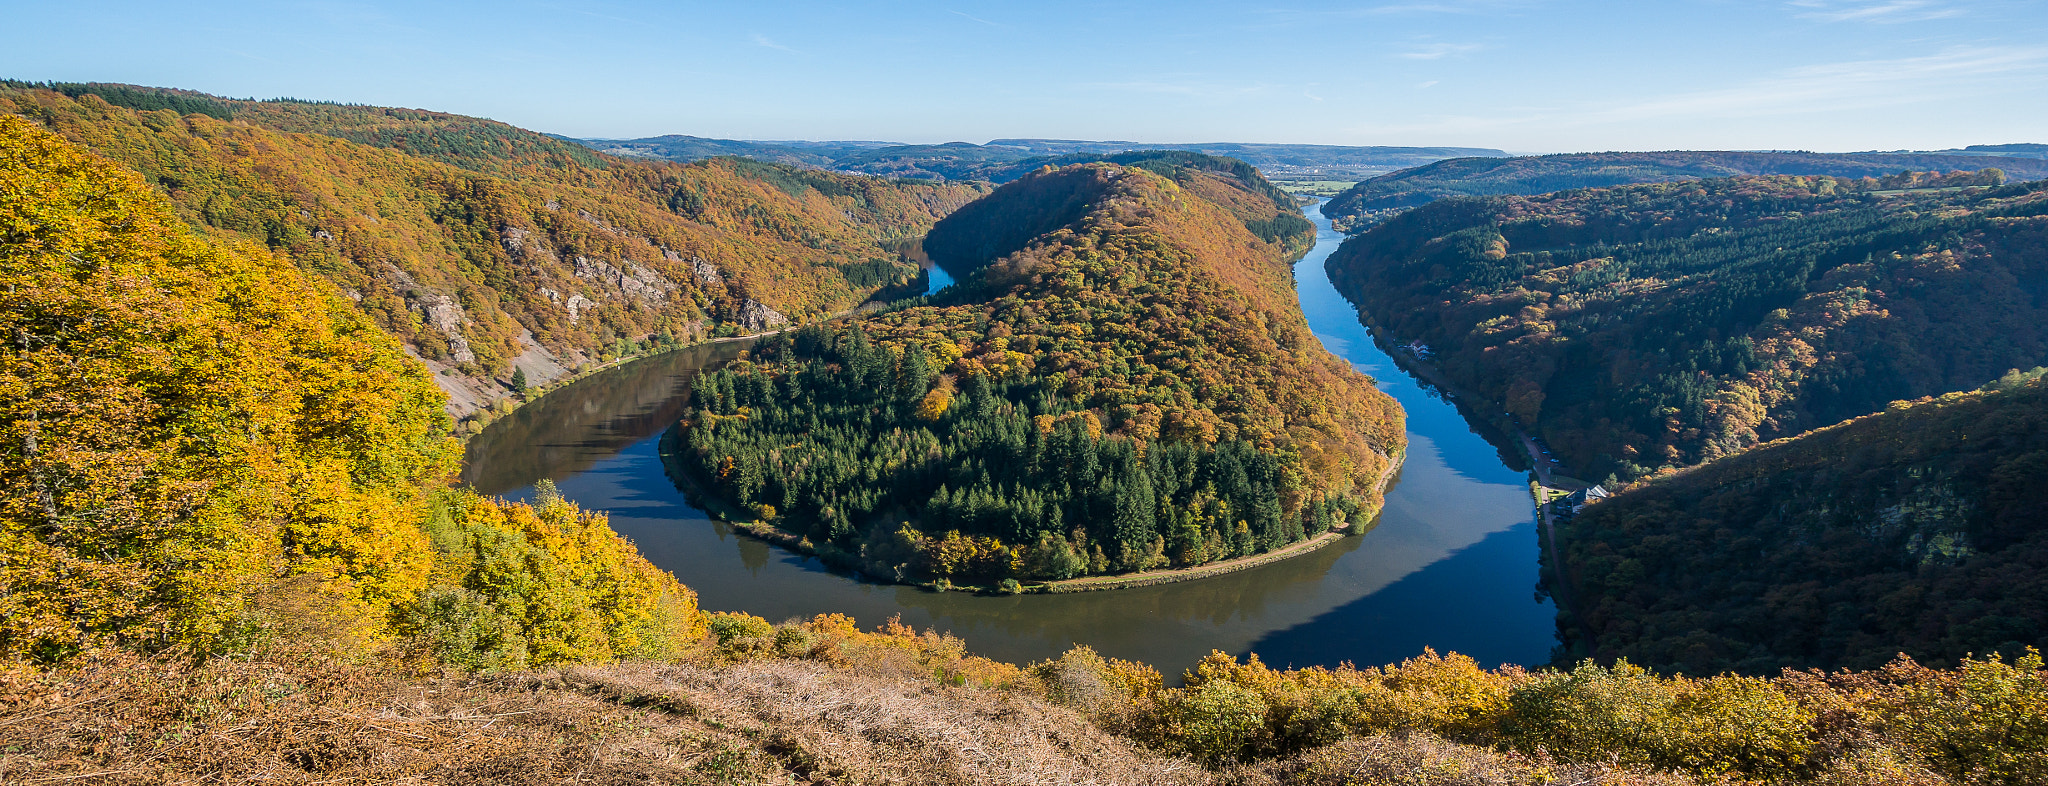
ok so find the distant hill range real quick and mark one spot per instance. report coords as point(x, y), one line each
point(1003, 160)
point(1373, 200)
point(2007, 151)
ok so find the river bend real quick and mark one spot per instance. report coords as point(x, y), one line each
point(1451, 565)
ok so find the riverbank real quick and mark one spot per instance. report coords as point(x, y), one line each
point(475, 424)
point(1298, 548)
point(1545, 470)
point(745, 523)
point(1449, 563)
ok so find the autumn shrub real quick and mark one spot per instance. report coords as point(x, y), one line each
point(1737, 725)
point(1113, 692)
point(1985, 721)
point(187, 428)
point(740, 634)
point(1214, 723)
point(1449, 695)
point(542, 584)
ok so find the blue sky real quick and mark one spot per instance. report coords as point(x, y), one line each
point(1523, 75)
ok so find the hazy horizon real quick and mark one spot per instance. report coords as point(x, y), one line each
point(1522, 76)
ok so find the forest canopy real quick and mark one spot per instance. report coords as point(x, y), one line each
point(1123, 382)
point(1652, 326)
point(1376, 199)
point(203, 449)
point(480, 245)
point(1916, 530)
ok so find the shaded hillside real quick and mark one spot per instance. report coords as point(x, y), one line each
point(1922, 529)
point(1133, 386)
point(1650, 326)
point(483, 247)
point(1375, 199)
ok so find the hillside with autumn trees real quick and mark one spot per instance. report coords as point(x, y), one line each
point(229, 553)
point(1646, 327)
point(1376, 199)
point(206, 450)
point(489, 250)
point(1122, 381)
point(1916, 530)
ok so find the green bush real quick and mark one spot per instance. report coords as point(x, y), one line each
point(1215, 723)
point(1984, 722)
point(1626, 714)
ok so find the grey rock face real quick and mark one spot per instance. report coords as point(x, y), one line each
point(705, 273)
point(756, 316)
point(444, 314)
point(576, 305)
point(636, 281)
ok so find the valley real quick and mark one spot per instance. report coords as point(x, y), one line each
point(1449, 563)
point(374, 443)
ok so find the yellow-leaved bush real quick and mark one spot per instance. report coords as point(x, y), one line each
point(544, 584)
point(187, 425)
point(204, 450)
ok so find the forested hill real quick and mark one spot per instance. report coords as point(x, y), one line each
point(1123, 381)
point(1918, 530)
point(1373, 200)
point(488, 249)
point(1651, 326)
point(990, 229)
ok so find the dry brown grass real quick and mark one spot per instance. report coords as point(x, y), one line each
point(121, 720)
point(844, 727)
point(1422, 759)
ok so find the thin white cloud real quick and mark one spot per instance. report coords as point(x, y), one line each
point(1438, 51)
point(762, 40)
point(973, 17)
point(1192, 88)
point(1849, 85)
point(1426, 85)
point(1880, 11)
point(1829, 87)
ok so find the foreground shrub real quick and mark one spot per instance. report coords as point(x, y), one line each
point(1626, 714)
point(1985, 721)
point(188, 429)
point(523, 586)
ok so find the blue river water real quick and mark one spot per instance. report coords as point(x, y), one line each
point(1451, 564)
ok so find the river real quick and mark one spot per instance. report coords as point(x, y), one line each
point(1451, 564)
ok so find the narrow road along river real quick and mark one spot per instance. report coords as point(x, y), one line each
point(1452, 564)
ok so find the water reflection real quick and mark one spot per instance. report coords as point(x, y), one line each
point(569, 430)
point(1451, 564)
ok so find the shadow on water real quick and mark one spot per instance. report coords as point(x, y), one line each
point(571, 429)
point(1399, 621)
point(1451, 563)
